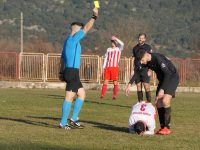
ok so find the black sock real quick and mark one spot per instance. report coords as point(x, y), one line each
point(140, 96)
point(167, 117)
point(161, 114)
point(148, 96)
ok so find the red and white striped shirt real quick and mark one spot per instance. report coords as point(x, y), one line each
point(112, 57)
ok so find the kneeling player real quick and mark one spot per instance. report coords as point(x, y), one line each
point(142, 119)
point(168, 81)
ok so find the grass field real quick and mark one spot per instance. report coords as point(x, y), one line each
point(29, 119)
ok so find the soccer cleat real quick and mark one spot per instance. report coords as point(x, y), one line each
point(158, 132)
point(101, 97)
point(75, 124)
point(165, 131)
point(114, 98)
point(66, 127)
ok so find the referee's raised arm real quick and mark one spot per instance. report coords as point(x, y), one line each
point(90, 23)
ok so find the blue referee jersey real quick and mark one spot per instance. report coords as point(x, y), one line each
point(71, 53)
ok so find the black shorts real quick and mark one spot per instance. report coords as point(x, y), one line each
point(171, 87)
point(71, 77)
point(142, 76)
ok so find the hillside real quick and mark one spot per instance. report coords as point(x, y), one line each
point(173, 26)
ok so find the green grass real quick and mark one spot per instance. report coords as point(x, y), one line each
point(29, 119)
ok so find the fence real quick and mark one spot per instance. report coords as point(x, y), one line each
point(32, 67)
point(45, 68)
point(9, 66)
point(124, 69)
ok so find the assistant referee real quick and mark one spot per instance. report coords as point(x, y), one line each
point(141, 74)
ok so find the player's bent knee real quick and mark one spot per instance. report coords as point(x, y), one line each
point(70, 96)
point(81, 94)
point(115, 82)
point(167, 100)
point(139, 88)
point(147, 87)
point(106, 82)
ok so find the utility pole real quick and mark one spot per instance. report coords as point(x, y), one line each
point(22, 34)
point(4, 4)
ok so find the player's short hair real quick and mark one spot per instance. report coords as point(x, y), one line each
point(139, 127)
point(140, 54)
point(78, 24)
point(144, 34)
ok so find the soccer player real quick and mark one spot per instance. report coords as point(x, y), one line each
point(142, 119)
point(71, 56)
point(111, 65)
point(142, 74)
point(168, 81)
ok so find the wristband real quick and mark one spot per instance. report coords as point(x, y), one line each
point(94, 17)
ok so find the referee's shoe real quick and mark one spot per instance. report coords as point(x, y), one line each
point(75, 124)
point(66, 127)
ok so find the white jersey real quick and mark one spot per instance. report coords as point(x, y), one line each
point(144, 112)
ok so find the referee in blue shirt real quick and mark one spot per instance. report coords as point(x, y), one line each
point(71, 59)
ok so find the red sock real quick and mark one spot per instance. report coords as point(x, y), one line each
point(115, 90)
point(104, 88)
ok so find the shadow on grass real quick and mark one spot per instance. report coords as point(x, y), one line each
point(95, 124)
point(30, 122)
point(53, 96)
point(61, 97)
point(102, 103)
point(36, 146)
point(46, 118)
point(44, 124)
point(106, 126)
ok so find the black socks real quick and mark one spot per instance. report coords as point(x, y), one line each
point(140, 96)
point(161, 113)
point(148, 96)
point(167, 117)
point(164, 116)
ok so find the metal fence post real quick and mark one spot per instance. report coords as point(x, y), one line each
point(17, 66)
point(44, 72)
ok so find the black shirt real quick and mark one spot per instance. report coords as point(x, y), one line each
point(144, 46)
point(163, 68)
point(135, 49)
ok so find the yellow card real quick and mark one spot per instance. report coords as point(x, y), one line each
point(96, 4)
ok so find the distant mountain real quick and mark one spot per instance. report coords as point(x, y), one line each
point(172, 26)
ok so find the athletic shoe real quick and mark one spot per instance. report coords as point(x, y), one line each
point(114, 98)
point(101, 97)
point(66, 127)
point(75, 124)
point(165, 131)
point(158, 132)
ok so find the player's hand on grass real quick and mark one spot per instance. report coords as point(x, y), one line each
point(128, 89)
